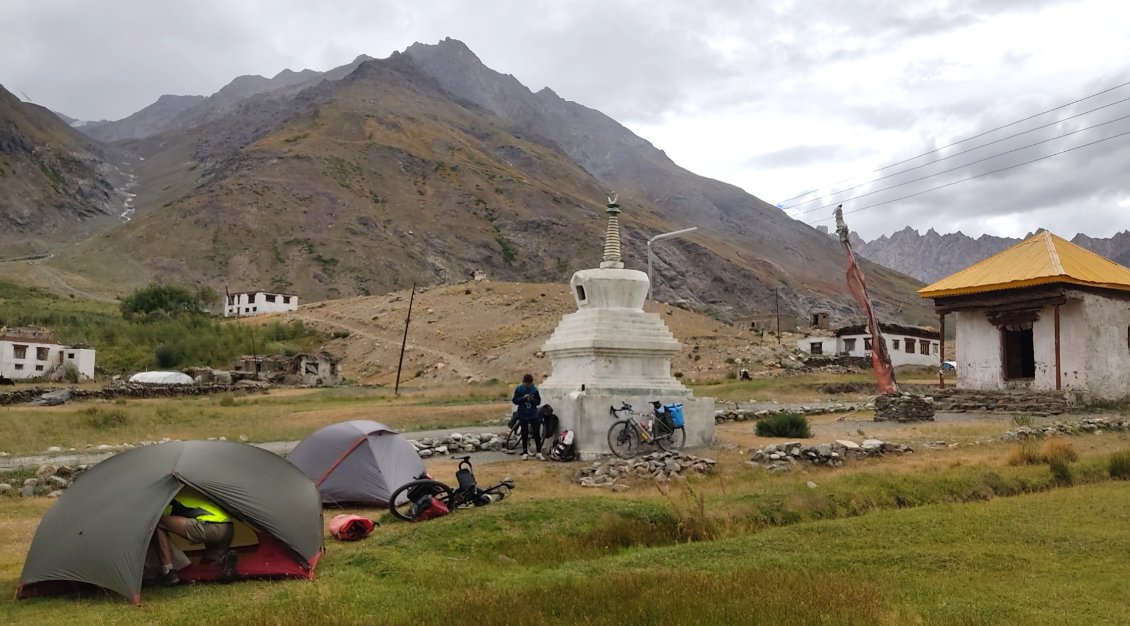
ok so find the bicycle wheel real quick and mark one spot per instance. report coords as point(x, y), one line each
point(669, 438)
point(400, 502)
point(623, 439)
point(514, 437)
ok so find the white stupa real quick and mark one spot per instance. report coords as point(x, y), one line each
point(611, 351)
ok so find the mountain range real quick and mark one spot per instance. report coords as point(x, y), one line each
point(424, 167)
point(930, 256)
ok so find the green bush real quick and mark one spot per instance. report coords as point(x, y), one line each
point(105, 419)
point(791, 425)
point(70, 373)
point(167, 356)
point(1120, 465)
point(1061, 471)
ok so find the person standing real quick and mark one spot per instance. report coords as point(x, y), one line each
point(527, 398)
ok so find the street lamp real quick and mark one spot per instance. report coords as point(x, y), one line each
point(669, 235)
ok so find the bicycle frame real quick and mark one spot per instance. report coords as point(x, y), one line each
point(627, 432)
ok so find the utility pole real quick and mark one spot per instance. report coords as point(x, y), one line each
point(777, 308)
point(404, 342)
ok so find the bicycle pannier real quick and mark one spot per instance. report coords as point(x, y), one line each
point(427, 508)
point(675, 414)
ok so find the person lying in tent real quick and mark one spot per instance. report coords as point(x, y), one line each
point(199, 520)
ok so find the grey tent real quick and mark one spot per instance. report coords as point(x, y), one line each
point(358, 462)
point(99, 530)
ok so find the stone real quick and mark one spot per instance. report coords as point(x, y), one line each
point(426, 453)
point(57, 481)
point(27, 491)
point(440, 449)
point(811, 485)
point(5, 489)
point(847, 443)
point(45, 470)
point(620, 487)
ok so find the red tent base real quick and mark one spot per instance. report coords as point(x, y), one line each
point(267, 559)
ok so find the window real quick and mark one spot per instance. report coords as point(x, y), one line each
point(310, 368)
point(41, 354)
point(70, 355)
point(816, 347)
point(270, 297)
point(908, 345)
point(1019, 354)
point(923, 346)
point(896, 342)
point(19, 352)
point(849, 345)
point(934, 348)
point(581, 293)
point(867, 344)
point(39, 368)
point(19, 366)
point(286, 299)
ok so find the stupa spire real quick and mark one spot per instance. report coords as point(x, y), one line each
point(612, 236)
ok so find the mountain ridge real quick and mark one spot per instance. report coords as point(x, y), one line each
point(428, 167)
point(930, 256)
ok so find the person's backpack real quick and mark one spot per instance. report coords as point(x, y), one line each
point(549, 421)
point(564, 449)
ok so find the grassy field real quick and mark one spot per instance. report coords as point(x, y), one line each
point(955, 535)
point(967, 545)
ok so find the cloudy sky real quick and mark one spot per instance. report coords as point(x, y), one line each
point(779, 97)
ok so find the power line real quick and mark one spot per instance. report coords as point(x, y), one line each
point(967, 151)
point(950, 184)
point(963, 165)
point(991, 130)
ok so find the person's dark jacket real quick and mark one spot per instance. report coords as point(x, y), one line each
point(527, 398)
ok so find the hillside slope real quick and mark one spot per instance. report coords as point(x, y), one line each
point(427, 167)
point(55, 183)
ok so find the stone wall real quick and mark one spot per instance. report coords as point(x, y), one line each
point(953, 400)
point(904, 407)
point(127, 390)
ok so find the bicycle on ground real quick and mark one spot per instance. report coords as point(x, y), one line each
point(416, 500)
point(633, 429)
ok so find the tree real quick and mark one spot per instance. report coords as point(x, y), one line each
point(161, 301)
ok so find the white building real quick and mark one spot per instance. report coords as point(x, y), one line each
point(33, 353)
point(907, 345)
point(1044, 314)
point(258, 302)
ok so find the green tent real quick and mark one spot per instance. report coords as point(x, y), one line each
point(99, 530)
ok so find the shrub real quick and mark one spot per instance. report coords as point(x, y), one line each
point(167, 355)
point(227, 400)
point(1119, 467)
point(791, 425)
point(1061, 471)
point(1058, 451)
point(70, 373)
point(1027, 452)
point(1022, 420)
point(102, 419)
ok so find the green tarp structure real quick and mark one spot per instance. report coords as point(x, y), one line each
point(99, 530)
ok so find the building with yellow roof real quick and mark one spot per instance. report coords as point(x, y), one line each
point(1044, 314)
